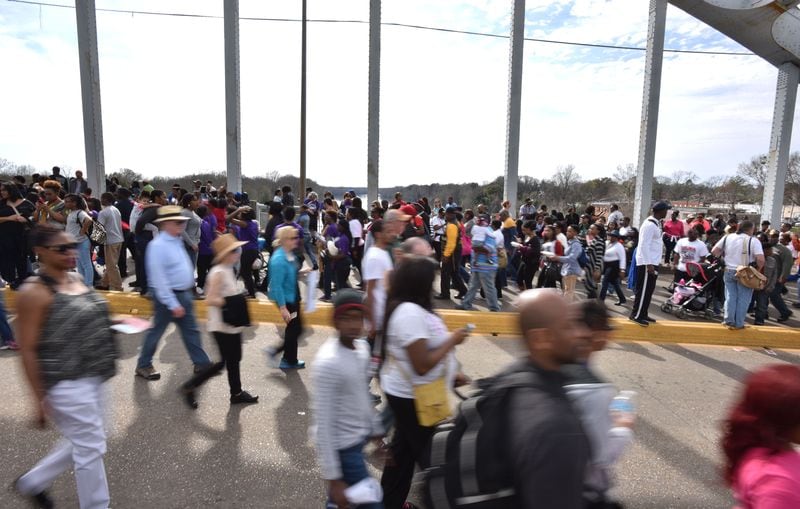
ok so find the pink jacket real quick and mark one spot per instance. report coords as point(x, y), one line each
point(766, 481)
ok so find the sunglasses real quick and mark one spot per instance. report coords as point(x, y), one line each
point(63, 248)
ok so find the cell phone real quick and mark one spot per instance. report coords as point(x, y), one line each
point(469, 327)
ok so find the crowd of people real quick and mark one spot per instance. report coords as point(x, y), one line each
point(199, 244)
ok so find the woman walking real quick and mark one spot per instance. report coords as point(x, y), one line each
point(244, 219)
point(595, 250)
point(283, 290)
point(342, 260)
point(759, 440)
point(68, 352)
point(419, 351)
point(220, 288)
point(78, 223)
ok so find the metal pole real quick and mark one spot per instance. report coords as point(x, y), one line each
point(302, 190)
point(516, 53)
point(650, 103)
point(374, 100)
point(90, 95)
point(780, 142)
point(233, 126)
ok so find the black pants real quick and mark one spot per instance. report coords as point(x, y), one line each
point(141, 271)
point(129, 244)
point(410, 445)
point(450, 275)
point(230, 348)
point(248, 257)
point(293, 330)
point(13, 259)
point(669, 246)
point(203, 266)
point(342, 272)
point(437, 249)
point(611, 280)
point(527, 271)
point(645, 284)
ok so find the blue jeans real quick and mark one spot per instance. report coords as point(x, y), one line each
point(310, 249)
point(737, 300)
point(5, 329)
point(478, 280)
point(354, 469)
point(85, 267)
point(190, 332)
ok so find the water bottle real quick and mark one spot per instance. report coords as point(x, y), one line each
point(623, 406)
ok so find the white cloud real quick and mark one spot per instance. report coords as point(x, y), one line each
point(443, 104)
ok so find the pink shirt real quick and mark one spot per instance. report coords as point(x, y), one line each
point(766, 481)
point(674, 228)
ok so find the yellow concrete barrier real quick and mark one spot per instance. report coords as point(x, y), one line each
point(504, 324)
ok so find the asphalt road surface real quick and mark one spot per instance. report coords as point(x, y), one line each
point(161, 454)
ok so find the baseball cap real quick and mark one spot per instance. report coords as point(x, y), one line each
point(450, 210)
point(347, 299)
point(661, 205)
point(408, 210)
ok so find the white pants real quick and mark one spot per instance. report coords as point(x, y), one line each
point(76, 408)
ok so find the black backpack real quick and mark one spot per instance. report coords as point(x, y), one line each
point(469, 465)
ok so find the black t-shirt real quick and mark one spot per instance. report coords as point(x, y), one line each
point(13, 228)
point(125, 207)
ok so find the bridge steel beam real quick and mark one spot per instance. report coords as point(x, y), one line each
point(650, 103)
point(516, 54)
point(780, 142)
point(86, 18)
point(374, 101)
point(233, 124)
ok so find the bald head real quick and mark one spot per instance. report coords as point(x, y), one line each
point(538, 307)
point(415, 246)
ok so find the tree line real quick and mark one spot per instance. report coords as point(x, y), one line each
point(564, 188)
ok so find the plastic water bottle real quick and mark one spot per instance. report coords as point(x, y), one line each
point(623, 406)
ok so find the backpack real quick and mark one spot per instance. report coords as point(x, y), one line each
point(469, 465)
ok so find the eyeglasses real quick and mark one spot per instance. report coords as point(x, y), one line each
point(63, 248)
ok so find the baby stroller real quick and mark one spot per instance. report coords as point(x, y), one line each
point(692, 298)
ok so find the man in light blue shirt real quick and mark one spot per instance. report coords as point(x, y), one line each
point(171, 281)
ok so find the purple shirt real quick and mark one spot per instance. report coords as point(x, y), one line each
point(249, 234)
point(343, 244)
point(331, 232)
point(206, 236)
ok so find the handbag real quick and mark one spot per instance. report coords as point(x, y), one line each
point(747, 275)
point(97, 233)
point(235, 311)
point(430, 400)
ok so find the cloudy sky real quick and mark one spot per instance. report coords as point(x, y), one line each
point(443, 95)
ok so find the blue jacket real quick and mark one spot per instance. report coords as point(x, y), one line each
point(282, 279)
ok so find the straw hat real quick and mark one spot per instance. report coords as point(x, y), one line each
point(170, 213)
point(223, 245)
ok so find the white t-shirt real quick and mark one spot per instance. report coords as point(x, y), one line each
point(478, 233)
point(499, 240)
point(357, 231)
point(732, 250)
point(111, 220)
point(75, 221)
point(409, 323)
point(377, 263)
point(437, 232)
point(689, 251)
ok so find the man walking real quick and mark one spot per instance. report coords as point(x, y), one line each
point(784, 256)
point(111, 219)
point(451, 257)
point(171, 280)
point(343, 412)
point(548, 449)
point(737, 249)
point(483, 265)
point(648, 256)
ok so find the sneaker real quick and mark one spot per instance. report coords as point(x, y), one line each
point(199, 368)
point(189, 396)
point(441, 297)
point(462, 307)
point(11, 345)
point(41, 500)
point(642, 322)
point(287, 365)
point(272, 356)
point(651, 320)
point(243, 397)
point(759, 322)
point(620, 302)
point(149, 373)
